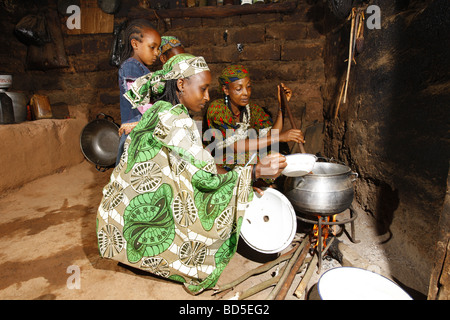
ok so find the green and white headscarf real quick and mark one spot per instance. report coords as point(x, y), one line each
point(152, 85)
point(169, 42)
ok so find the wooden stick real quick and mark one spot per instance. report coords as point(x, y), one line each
point(287, 283)
point(339, 102)
point(307, 276)
point(267, 266)
point(349, 55)
point(355, 34)
point(261, 286)
point(291, 117)
point(265, 284)
point(305, 242)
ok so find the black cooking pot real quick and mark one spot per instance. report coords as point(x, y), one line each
point(99, 141)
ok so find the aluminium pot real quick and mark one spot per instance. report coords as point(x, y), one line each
point(327, 190)
point(6, 108)
point(19, 101)
point(99, 141)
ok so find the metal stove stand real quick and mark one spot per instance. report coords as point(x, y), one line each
point(320, 221)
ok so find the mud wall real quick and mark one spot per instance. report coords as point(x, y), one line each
point(394, 130)
point(35, 149)
point(277, 47)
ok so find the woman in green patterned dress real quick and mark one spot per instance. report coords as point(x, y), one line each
point(166, 209)
point(243, 127)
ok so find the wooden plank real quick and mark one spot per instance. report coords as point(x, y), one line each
point(93, 19)
point(51, 55)
point(211, 11)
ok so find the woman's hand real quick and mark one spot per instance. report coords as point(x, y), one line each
point(287, 92)
point(294, 135)
point(260, 185)
point(270, 166)
point(126, 128)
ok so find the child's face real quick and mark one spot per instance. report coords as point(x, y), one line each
point(147, 51)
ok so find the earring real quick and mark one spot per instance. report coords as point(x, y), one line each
point(226, 99)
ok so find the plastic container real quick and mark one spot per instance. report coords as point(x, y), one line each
point(40, 106)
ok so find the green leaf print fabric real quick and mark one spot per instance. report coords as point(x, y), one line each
point(165, 209)
point(149, 227)
point(212, 195)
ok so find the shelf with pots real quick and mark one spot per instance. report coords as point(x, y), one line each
point(213, 11)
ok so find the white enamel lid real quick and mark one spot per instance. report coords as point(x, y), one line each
point(269, 222)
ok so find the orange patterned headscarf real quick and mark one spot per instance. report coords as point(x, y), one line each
point(233, 73)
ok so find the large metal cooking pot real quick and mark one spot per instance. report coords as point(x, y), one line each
point(99, 141)
point(327, 190)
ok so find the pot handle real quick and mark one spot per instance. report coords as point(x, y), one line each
point(331, 160)
point(300, 180)
point(105, 116)
point(355, 174)
point(100, 168)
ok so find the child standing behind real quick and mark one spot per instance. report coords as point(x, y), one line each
point(170, 46)
point(141, 49)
